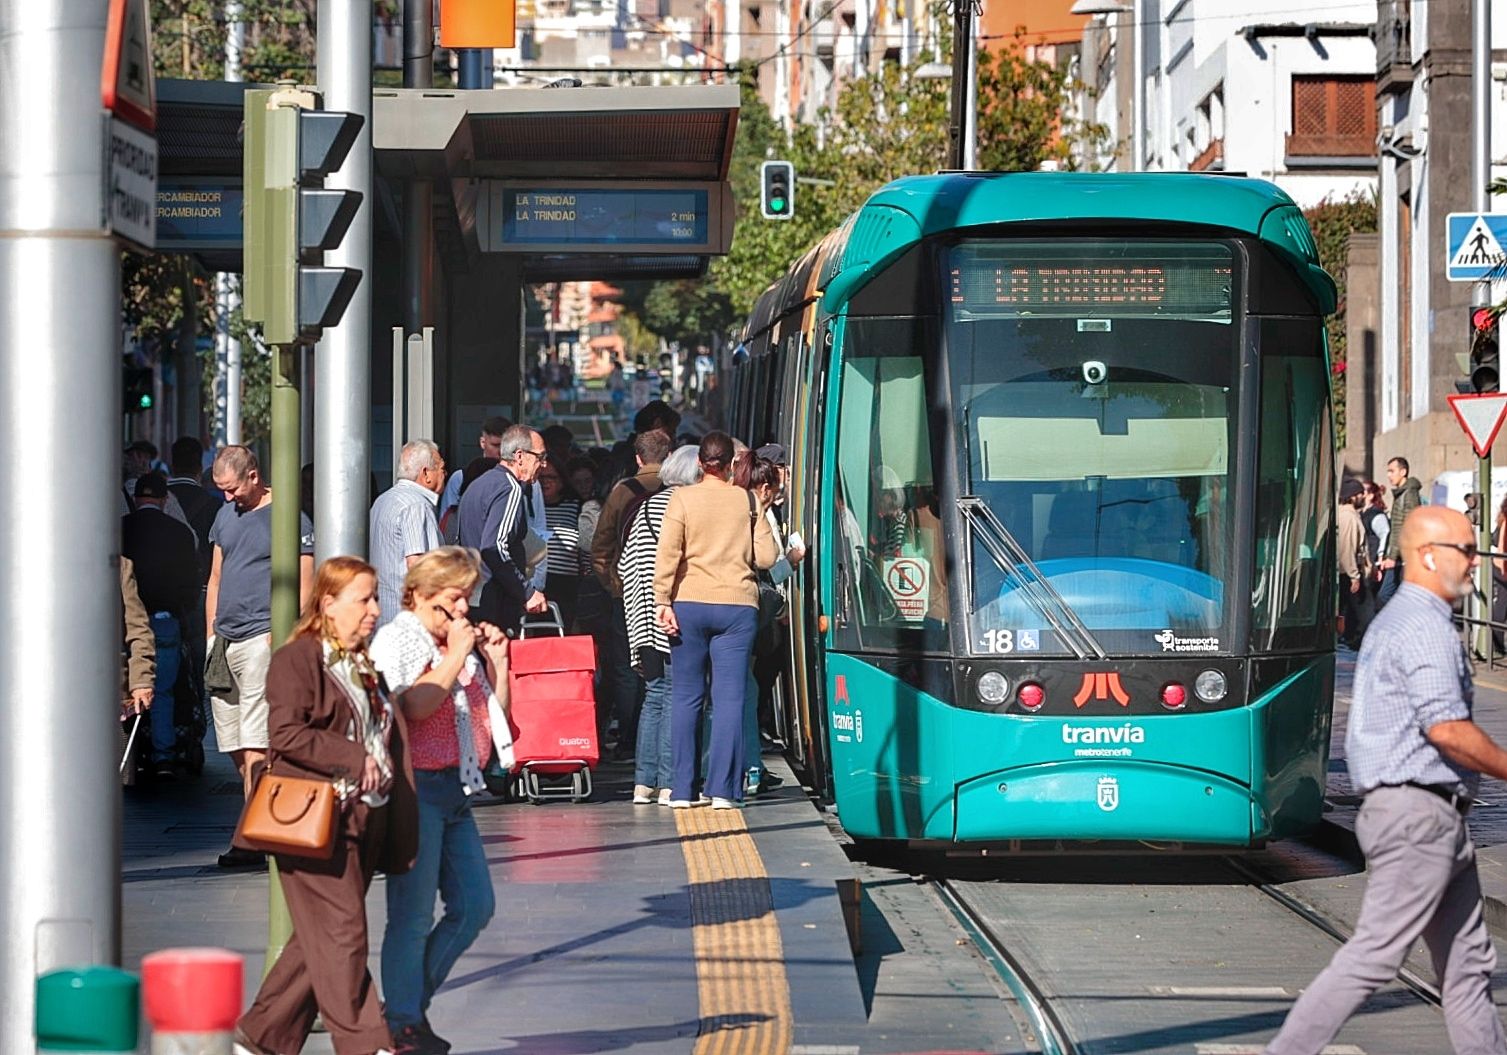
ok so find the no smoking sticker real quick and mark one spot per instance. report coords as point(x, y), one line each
point(907, 579)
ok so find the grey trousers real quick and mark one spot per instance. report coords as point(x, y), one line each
point(1422, 883)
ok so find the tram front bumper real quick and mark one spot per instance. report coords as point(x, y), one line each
point(1106, 798)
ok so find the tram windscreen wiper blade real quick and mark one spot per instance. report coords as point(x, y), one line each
point(1036, 587)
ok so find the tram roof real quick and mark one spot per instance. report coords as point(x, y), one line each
point(902, 213)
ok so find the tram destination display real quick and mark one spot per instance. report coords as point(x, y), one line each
point(613, 218)
point(1034, 279)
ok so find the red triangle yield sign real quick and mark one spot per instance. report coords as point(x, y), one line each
point(127, 83)
point(1481, 417)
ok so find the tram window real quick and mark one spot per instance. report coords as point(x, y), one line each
point(892, 570)
point(1294, 563)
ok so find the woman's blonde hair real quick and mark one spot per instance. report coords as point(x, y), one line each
point(441, 569)
point(333, 576)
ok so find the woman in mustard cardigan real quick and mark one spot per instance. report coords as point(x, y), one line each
point(713, 539)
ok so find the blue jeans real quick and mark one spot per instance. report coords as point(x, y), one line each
point(169, 658)
point(624, 684)
point(651, 761)
point(1390, 580)
point(720, 636)
point(417, 953)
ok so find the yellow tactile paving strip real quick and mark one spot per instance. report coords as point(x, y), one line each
point(740, 961)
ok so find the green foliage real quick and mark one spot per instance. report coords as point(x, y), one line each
point(1333, 222)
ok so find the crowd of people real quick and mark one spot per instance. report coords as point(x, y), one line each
point(1368, 547)
point(668, 550)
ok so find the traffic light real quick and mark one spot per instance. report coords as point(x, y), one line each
point(777, 190)
point(1485, 372)
point(291, 218)
point(136, 389)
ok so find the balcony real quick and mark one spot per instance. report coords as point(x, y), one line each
point(1394, 46)
point(1210, 159)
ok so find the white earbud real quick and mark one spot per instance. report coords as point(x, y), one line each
point(1428, 562)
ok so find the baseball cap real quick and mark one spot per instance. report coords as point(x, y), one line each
point(773, 452)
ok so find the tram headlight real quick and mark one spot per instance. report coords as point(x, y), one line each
point(1210, 686)
point(992, 687)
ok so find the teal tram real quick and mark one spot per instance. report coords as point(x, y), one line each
point(1062, 453)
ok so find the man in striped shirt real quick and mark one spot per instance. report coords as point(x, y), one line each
point(403, 523)
point(1416, 754)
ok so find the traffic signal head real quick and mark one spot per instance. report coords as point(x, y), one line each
point(136, 389)
point(291, 218)
point(777, 190)
point(1485, 370)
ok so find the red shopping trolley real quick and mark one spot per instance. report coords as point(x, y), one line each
point(553, 710)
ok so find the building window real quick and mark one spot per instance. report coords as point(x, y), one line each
point(1333, 117)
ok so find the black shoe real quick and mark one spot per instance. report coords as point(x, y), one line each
point(414, 1040)
point(164, 772)
point(441, 1045)
point(770, 780)
point(235, 857)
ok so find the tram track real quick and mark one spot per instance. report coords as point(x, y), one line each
point(1228, 994)
point(1048, 1028)
point(1421, 987)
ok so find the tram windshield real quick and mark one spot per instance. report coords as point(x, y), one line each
point(1093, 387)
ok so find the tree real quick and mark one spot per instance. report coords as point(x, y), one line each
point(886, 125)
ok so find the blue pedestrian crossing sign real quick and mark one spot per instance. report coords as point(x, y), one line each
point(1475, 241)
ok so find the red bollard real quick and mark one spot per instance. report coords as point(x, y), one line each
point(192, 999)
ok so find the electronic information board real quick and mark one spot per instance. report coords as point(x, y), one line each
point(623, 217)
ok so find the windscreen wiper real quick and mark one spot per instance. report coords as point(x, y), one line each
point(1013, 560)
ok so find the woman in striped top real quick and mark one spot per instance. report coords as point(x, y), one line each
point(648, 646)
point(562, 515)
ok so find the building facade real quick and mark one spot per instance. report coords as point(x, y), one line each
point(1424, 120)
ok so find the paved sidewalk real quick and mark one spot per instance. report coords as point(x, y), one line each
point(1488, 819)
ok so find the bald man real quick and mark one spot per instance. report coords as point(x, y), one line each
point(1417, 756)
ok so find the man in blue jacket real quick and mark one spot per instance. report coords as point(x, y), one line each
point(494, 520)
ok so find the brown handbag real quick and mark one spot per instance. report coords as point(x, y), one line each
point(290, 815)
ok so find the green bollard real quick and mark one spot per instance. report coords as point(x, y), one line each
point(88, 1011)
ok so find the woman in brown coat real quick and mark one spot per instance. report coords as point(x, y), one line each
point(329, 718)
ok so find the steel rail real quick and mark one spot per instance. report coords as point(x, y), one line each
point(1052, 1036)
point(1421, 987)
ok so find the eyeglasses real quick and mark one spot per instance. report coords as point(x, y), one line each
point(543, 456)
point(1468, 549)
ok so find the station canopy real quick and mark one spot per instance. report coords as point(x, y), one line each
point(578, 183)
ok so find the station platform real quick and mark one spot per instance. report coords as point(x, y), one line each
point(619, 928)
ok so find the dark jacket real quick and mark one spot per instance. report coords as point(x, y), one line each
point(1405, 499)
point(307, 714)
point(166, 559)
point(607, 542)
point(200, 507)
point(494, 520)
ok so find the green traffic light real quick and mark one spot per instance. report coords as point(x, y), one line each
point(777, 204)
point(145, 402)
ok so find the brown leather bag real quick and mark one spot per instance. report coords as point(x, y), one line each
point(290, 815)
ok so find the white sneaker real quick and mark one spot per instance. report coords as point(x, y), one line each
point(664, 796)
point(726, 804)
point(702, 800)
point(685, 804)
point(643, 795)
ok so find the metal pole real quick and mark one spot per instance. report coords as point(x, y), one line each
point(1138, 89)
point(60, 345)
point(962, 46)
point(418, 72)
point(227, 299)
point(1480, 173)
point(342, 364)
point(286, 418)
point(971, 110)
point(471, 68)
